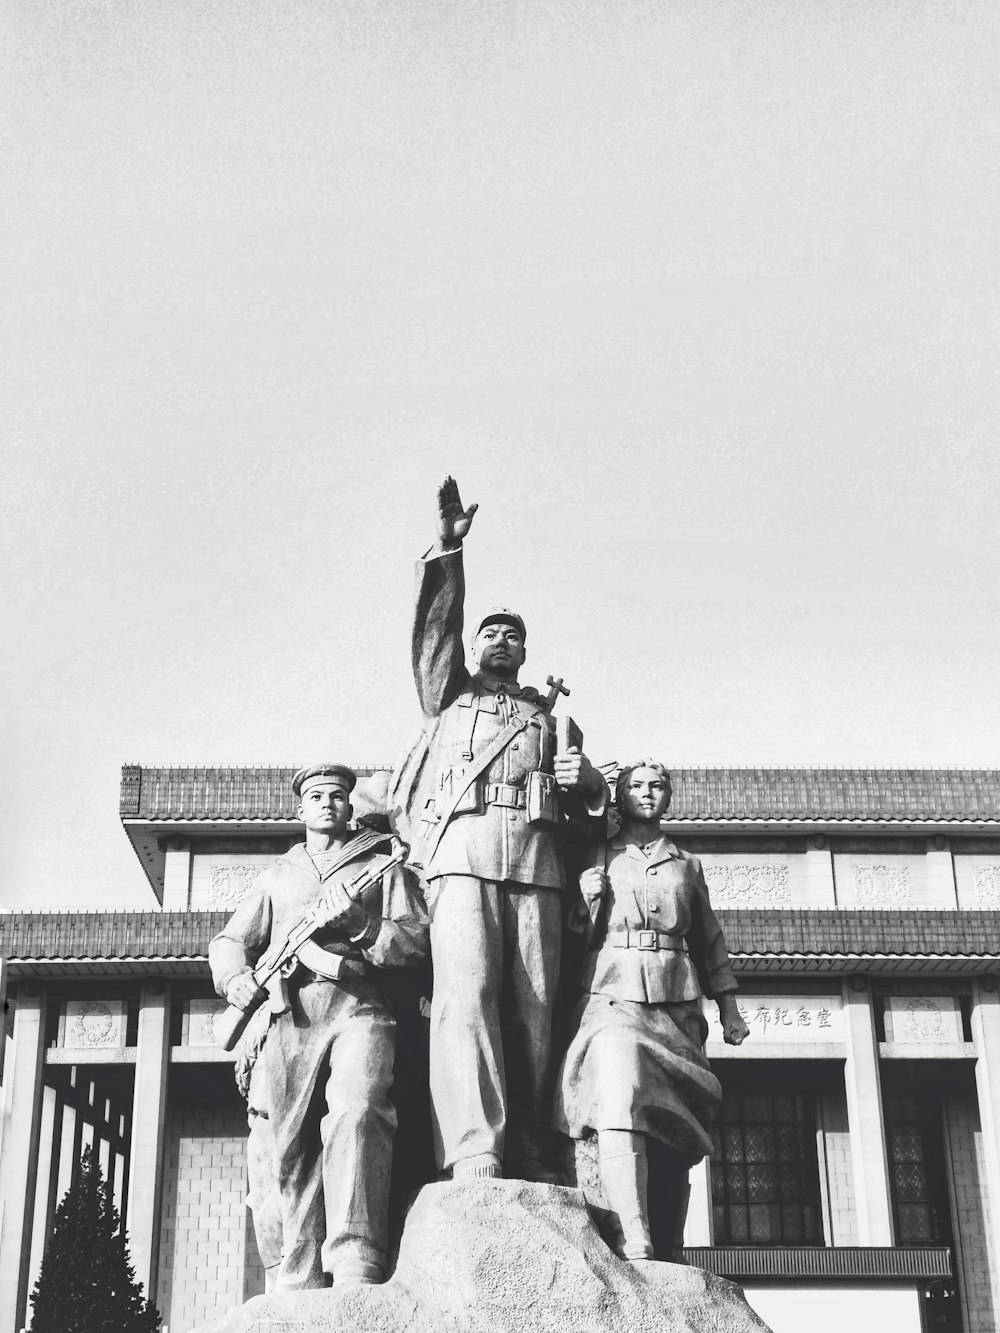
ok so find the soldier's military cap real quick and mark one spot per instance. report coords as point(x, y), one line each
point(304, 777)
point(500, 615)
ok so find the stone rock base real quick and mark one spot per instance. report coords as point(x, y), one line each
point(506, 1256)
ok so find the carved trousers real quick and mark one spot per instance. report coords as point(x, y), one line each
point(495, 948)
point(328, 1070)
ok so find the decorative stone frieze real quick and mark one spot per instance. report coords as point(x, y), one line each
point(987, 882)
point(881, 885)
point(230, 884)
point(748, 885)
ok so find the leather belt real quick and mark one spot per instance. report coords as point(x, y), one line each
point(652, 940)
point(503, 793)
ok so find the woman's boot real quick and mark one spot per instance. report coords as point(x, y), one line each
point(625, 1177)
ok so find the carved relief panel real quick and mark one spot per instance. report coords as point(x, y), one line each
point(923, 1018)
point(198, 1023)
point(748, 883)
point(220, 880)
point(978, 881)
point(890, 880)
point(93, 1024)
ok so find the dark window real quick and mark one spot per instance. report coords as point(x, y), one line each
point(765, 1175)
point(916, 1162)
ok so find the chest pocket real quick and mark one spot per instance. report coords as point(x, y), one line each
point(460, 751)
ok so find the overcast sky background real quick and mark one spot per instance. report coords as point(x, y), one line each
point(698, 300)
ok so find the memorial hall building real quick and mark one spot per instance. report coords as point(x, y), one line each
point(855, 1181)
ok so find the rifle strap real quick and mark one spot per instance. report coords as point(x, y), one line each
point(476, 769)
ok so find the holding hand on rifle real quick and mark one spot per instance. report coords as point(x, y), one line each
point(243, 991)
point(348, 917)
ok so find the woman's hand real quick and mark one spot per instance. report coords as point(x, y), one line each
point(594, 885)
point(734, 1030)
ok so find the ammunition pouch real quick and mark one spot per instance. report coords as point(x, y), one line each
point(542, 800)
point(452, 780)
point(539, 798)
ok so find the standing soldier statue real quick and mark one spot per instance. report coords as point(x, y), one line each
point(485, 794)
point(319, 925)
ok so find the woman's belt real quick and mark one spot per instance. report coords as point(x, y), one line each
point(652, 940)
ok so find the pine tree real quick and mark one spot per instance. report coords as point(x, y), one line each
point(86, 1283)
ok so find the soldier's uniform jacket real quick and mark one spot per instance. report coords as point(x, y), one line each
point(658, 938)
point(286, 890)
point(506, 825)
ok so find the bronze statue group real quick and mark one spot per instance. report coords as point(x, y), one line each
point(526, 880)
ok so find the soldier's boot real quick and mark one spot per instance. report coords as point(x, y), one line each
point(530, 1160)
point(680, 1218)
point(483, 1166)
point(625, 1177)
point(357, 1272)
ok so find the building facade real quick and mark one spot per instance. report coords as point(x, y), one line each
point(856, 1171)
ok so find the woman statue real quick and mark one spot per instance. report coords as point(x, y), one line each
point(635, 1068)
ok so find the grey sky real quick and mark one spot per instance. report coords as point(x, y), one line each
point(698, 300)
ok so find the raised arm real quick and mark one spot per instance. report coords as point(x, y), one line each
point(437, 651)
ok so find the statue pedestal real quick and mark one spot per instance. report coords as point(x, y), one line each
point(506, 1256)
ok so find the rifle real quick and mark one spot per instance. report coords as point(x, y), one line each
point(230, 1025)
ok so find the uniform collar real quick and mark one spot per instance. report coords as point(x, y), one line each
point(493, 685)
point(298, 855)
point(663, 849)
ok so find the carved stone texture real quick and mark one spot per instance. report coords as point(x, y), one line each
point(201, 1018)
point(987, 879)
point(505, 1256)
point(881, 885)
point(930, 1018)
point(94, 1023)
point(748, 885)
point(231, 884)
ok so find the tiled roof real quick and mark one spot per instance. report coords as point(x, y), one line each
point(209, 793)
point(53, 936)
point(75, 936)
point(938, 795)
point(965, 934)
point(894, 794)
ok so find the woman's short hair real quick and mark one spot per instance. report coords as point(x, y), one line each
point(621, 785)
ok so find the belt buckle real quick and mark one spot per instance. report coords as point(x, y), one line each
point(648, 940)
point(505, 795)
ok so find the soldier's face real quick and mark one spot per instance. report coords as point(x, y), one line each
point(499, 649)
point(645, 797)
point(325, 807)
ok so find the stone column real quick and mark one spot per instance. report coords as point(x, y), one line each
point(22, 1113)
point(176, 874)
point(986, 1035)
point(149, 1105)
point(698, 1225)
point(43, 1183)
point(819, 872)
point(941, 873)
point(869, 1157)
